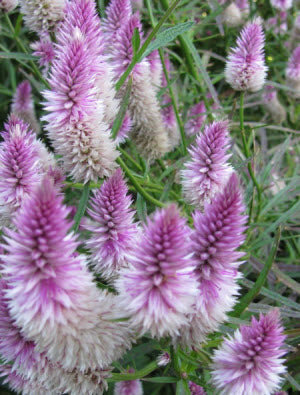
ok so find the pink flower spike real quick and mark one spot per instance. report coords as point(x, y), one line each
point(207, 171)
point(68, 318)
point(196, 118)
point(245, 66)
point(249, 362)
point(158, 288)
point(282, 4)
point(23, 106)
point(118, 14)
point(113, 233)
point(44, 50)
point(8, 5)
point(293, 67)
point(125, 129)
point(218, 233)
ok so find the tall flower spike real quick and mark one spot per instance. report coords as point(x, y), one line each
point(23, 106)
point(113, 232)
point(148, 131)
point(65, 314)
point(293, 66)
point(158, 288)
point(208, 171)
point(250, 362)
point(44, 50)
point(156, 69)
point(8, 5)
point(245, 66)
point(282, 4)
point(19, 170)
point(118, 13)
point(273, 105)
point(218, 233)
point(196, 118)
point(42, 15)
point(76, 123)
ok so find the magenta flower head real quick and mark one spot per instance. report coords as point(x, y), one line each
point(23, 106)
point(113, 232)
point(75, 120)
point(196, 117)
point(51, 294)
point(250, 361)
point(245, 66)
point(118, 13)
point(158, 289)
point(19, 171)
point(282, 4)
point(196, 389)
point(44, 50)
point(8, 5)
point(218, 233)
point(207, 171)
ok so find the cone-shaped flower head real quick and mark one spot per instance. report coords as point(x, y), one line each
point(196, 389)
point(113, 232)
point(44, 50)
point(42, 15)
point(196, 117)
point(132, 387)
point(273, 105)
point(76, 123)
point(8, 5)
point(118, 13)
point(156, 69)
point(282, 4)
point(18, 166)
point(245, 66)
point(207, 171)
point(158, 289)
point(125, 129)
point(218, 233)
point(250, 362)
point(23, 107)
point(293, 67)
point(51, 294)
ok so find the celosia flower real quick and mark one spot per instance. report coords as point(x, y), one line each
point(113, 232)
point(282, 4)
point(42, 15)
point(125, 129)
point(19, 172)
point(156, 69)
point(273, 105)
point(232, 16)
point(118, 13)
point(249, 362)
point(245, 67)
point(293, 67)
point(130, 387)
point(196, 389)
point(8, 5)
point(148, 131)
point(158, 289)
point(196, 117)
point(207, 171)
point(44, 50)
point(76, 123)
point(23, 106)
point(218, 233)
point(51, 294)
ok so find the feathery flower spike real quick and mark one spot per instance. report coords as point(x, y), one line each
point(249, 362)
point(42, 15)
point(130, 387)
point(245, 66)
point(8, 5)
point(196, 389)
point(196, 117)
point(273, 105)
point(218, 233)
point(293, 67)
point(208, 171)
point(148, 131)
point(282, 4)
point(65, 314)
point(44, 50)
point(156, 69)
point(158, 289)
point(75, 120)
point(23, 106)
point(19, 171)
point(113, 232)
point(118, 13)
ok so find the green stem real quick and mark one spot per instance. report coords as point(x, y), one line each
point(247, 299)
point(136, 375)
point(81, 207)
point(127, 156)
point(137, 186)
point(143, 48)
point(248, 155)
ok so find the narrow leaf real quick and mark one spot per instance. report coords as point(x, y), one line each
point(81, 207)
point(121, 114)
point(136, 41)
point(17, 56)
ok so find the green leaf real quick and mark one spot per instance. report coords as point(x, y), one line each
point(247, 299)
point(168, 35)
point(17, 56)
point(141, 208)
point(136, 41)
point(164, 380)
point(121, 114)
point(81, 207)
point(182, 388)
